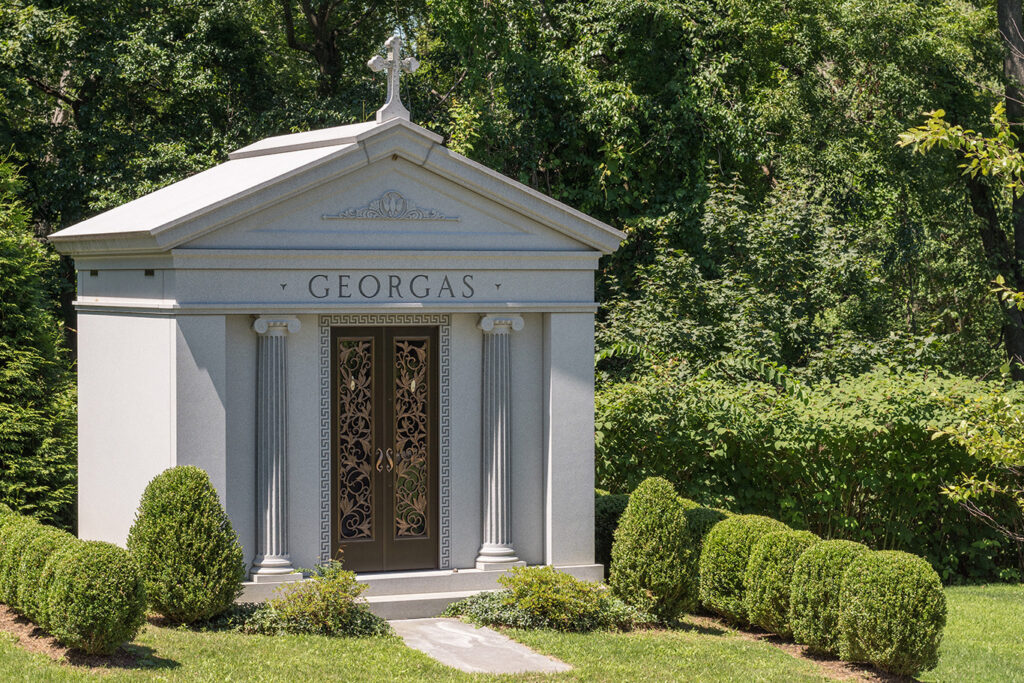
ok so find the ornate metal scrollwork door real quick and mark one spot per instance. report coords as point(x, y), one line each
point(384, 436)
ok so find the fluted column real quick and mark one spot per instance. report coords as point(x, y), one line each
point(272, 561)
point(496, 551)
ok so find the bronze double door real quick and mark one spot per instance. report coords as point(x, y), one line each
point(384, 435)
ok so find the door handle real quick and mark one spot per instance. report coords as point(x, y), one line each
point(391, 461)
point(380, 460)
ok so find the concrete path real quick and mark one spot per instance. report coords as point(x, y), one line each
point(472, 649)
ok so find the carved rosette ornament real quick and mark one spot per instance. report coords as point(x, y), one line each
point(272, 560)
point(496, 550)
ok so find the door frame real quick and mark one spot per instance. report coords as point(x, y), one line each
point(442, 321)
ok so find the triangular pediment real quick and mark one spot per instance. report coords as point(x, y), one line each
point(391, 186)
point(389, 204)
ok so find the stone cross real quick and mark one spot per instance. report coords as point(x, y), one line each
point(393, 107)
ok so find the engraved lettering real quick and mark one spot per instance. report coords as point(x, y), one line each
point(394, 286)
point(310, 286)
point(412, 287)
point(445, 284)
point(467, 287)
point(376, 282)
point(343, 287)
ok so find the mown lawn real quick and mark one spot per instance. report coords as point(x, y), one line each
point(984, 642)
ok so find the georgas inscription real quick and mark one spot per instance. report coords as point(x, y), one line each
point(392, 286)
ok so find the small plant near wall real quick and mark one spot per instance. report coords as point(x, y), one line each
point(329, 604)
point(545, 598)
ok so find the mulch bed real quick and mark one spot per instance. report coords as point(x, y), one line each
point(833, 668)
point(30, 637)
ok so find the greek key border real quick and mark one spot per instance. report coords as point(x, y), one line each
point(443, 321)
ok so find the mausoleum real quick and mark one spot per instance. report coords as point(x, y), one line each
point(377, 348)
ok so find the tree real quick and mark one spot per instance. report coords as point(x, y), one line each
point(37, 407)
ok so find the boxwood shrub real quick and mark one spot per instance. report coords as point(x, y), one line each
point(41, 601)
point(97, 599)
point(651, 567)
point(608, 509)
point(891, 613)
point(723, 562)
point(768, 578)
point(43, 543)
point(185, 547)
point(814, 593)
point(13, 538)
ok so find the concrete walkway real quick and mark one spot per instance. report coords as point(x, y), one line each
point(472, 649)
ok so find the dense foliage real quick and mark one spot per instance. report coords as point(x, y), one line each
point(769, 577)
point(814, 593)
point(13, 539)
point(723, 563)
point(652, 554)
point(854, 458)
point(97, 599)
point(185, 547)
point(892, 613)
point(37, 403)
point(545, 598)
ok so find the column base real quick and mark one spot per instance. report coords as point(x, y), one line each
point(493, 557)
point(274, 569)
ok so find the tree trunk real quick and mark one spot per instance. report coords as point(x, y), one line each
point(1010, 20)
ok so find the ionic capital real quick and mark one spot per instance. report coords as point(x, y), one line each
point(276, 325)
point(500, 323)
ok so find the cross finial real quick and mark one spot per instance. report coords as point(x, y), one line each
point(393, 107)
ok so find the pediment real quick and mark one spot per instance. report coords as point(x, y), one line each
point(390, 186)
point(391, 204)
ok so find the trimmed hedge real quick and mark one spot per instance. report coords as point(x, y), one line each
point(97, 598)
point(723, 562)
point(41, 602)
point(768, 578)
point(814, 593)
point(185, 547)
point(13, 538)
point(650, 555)
point(38, 549)
point(608, 509)
point(892, 612)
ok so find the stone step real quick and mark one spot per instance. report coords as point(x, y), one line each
point(415, 605)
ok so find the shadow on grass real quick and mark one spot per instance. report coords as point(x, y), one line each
point(127, 657)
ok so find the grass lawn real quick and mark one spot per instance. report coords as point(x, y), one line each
point(984, 642)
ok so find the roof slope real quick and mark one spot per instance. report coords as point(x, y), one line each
point(276, 168)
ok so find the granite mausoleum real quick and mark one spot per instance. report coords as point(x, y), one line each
point(373, 345)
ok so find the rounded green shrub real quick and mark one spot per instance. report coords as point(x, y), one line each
point(608, 509)
point(650, 556)
point(185, 547)
point(769, 576)
point(97, 598)
point(814, 593)
point(13, 538)
point(723, 562)
point(34, 556)
point(891, 613)
point(41, 601)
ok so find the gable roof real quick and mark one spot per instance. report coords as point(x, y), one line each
point(274, 169)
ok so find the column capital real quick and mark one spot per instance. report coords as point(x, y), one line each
point(276, 325)
point(500, 323)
